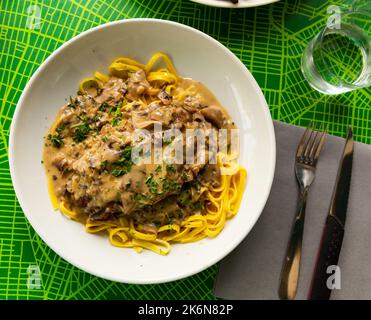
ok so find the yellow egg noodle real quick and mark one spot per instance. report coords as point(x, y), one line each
point(222, 202)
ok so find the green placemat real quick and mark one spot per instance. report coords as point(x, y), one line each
point(269, 40)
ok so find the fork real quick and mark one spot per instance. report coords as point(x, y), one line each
point(306, 158)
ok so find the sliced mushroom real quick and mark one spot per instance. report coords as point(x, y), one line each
point(110, 155)
point(214, 115)
point(192, 104)
point(137, 84)
point(165, 97)
point(142, 122)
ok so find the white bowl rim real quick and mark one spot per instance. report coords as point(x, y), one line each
point(237, 240)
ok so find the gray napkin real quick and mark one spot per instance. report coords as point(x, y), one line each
point(252, 270)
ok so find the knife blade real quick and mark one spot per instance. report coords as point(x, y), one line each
point(333, 232)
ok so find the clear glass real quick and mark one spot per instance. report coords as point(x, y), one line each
point(338, 59)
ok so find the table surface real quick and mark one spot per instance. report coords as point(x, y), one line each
point(268, 39)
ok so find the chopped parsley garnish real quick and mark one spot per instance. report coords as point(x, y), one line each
point(171, 168)
point(104, 106)
point(195, 184)
point(170, 185)
point(140, 199)
point(56, 140)
point(81, 132)
point(158, 168)
point(104, 138)
point(124, 164)
point(185, 198)
point(115, 121)
point(117, 115)
point(72, 103)
point(104, 164)
point(157, 223)
point(118, 172)
point(95, 118)
point(167, 141)
point(184, 175)
point(198, 205)
point(61, 128)
point(152, 184)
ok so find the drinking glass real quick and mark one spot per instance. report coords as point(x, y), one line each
point(338, 58)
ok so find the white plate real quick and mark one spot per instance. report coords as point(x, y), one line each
point(195, 55)
point(240, 4)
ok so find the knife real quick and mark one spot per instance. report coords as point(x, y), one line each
point(333, 233)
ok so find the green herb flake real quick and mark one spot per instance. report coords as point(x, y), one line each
point(167, 141)
point(157, 223)
point(139, 198)
point(170, 186)
point(56, 140)
point(171, 168)
point(81, 130)
point(72, 103)
point(198, 205)
point(117, 115)
point(124, 164)
point(60, 128)
point(117, 172)
point(104, 106)
point(152, 184)
point(115, 121)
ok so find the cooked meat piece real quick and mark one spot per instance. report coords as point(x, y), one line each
point(181, 115)
point(214, 115)
point(210, 175)
point(100, 216)
point(83, 201)
point(150, 184)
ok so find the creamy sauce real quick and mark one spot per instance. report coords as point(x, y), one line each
point(87, 152)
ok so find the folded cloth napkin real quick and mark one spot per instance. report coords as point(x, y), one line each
point(252, 270)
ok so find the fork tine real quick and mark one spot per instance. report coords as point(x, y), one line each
point(320, 144)
point(315, 143)
point(309, 142)
point(300, 150)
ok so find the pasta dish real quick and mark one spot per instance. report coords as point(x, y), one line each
point(119, 157)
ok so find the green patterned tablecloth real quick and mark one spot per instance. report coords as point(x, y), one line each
point(269, 40)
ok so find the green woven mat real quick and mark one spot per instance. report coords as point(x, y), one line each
point(269, 40)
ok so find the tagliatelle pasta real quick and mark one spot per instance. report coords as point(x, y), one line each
point(93, 179)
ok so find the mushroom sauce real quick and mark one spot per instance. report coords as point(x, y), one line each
point(88, 150)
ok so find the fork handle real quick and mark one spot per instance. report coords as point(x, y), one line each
point(291, 264)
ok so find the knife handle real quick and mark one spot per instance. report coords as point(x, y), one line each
point(329, 251)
